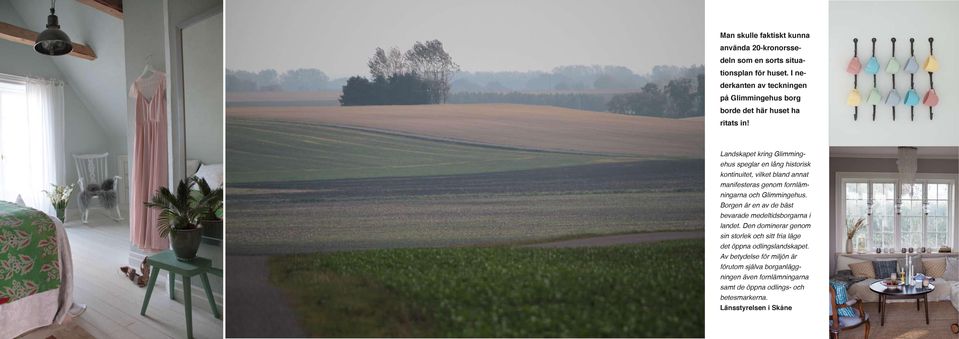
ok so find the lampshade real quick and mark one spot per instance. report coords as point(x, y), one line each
point(53, 41)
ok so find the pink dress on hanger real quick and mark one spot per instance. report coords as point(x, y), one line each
point(149, 159)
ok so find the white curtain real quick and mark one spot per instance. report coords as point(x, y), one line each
point(31, 143)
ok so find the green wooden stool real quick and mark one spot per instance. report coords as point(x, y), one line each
point(199, 266)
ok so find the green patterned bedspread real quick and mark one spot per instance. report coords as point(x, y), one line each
point(29, 256)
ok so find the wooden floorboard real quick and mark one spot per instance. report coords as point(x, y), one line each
point(113, 302)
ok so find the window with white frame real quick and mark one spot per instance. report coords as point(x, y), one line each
point(915, 215)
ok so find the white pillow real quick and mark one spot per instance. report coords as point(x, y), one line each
point(192, 165)
point(212, 173)
point(952, 269)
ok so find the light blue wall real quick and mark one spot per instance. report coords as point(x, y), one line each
point(82, 132)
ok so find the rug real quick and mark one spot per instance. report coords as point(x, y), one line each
point(903, 321)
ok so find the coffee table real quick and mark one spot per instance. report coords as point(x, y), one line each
point(903, 292)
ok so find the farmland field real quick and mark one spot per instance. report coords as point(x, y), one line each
point(377, 190)
point(624, 291)
point(410, 220)
point(515, 126)
point(273, 151)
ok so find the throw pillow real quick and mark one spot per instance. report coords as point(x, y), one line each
point(952, 269)
point(916, 264)
point(884, 268)
point(934, 267)
point(863, 269)
point(841, 298)
point(192, 166)
point(212, 173)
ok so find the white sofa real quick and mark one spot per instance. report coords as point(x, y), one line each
point(947, 288)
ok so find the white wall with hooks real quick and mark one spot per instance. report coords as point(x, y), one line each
point(903, 20)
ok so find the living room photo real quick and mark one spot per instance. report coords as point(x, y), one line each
point(894, 273)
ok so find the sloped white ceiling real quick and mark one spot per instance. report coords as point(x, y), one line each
point(101, 82)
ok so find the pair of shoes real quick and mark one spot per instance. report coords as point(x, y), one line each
point(131, 273)
point(145, 268)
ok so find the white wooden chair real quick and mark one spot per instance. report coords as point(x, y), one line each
point(92, 169)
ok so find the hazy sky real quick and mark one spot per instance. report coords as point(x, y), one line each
point(339, 36)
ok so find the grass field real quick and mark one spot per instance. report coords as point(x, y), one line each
point(627, 291)
point(519, 126)
point(264, 151)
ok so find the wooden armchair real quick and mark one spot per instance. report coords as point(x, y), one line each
point(839, 323)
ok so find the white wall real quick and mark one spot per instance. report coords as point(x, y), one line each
point(902, 20)
point(82, 133)
point(203, 91)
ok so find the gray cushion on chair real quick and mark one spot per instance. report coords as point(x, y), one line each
point(846, 322)
point(103, 192)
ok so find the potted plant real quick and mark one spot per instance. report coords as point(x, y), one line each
point(59, 197)
point(212, 217)
point(851, 233)
point(179, 217)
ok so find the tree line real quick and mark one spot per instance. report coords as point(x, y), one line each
point(421, 75)
point(679, 98)
point(570, 78)
point(583, 101)
point(269, 80)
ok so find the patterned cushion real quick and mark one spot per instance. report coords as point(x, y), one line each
point(863, 269)
point(841, 299)
point(884, 268)
point(934, 267)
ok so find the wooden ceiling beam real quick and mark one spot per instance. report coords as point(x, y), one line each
point(112, 7)
point(27, 37)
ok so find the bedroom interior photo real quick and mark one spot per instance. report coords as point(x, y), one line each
point(110, 100)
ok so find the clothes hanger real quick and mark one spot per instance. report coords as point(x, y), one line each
point(892, 99)
point(147, 68)
point(854, 66)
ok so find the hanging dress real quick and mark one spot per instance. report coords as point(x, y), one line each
point(149, 159)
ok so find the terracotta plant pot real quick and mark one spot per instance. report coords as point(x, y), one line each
point(186, 242)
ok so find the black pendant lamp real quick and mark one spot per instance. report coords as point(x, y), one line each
point(53, 41)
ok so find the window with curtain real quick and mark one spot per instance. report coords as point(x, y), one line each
point(31, 139)
point(916, 215)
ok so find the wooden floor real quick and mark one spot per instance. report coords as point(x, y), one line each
point(113, 302)
point(904, 321)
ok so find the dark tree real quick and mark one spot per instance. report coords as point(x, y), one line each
point(680, 97)
point(358, 91)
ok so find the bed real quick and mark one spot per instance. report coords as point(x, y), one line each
point(36, 272)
